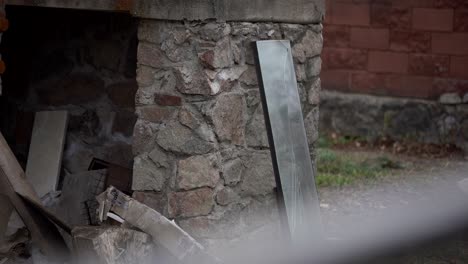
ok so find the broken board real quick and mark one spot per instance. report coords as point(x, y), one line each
point(12, 183)
point(45, 152)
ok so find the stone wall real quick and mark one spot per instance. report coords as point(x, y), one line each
point(375, 117)
point(85, 67)
point(200, 144)
point(396, 49)
point(411, 49)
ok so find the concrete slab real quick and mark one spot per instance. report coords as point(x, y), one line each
point(45, 152)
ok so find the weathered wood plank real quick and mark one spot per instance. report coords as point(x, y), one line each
point(45, 152)
point(13, 181)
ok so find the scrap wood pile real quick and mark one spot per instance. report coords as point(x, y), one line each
point(82, 223)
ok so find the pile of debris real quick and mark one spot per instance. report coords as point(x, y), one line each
point(82, 223)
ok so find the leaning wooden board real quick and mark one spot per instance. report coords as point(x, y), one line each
point(45, 152)
point(14, 182)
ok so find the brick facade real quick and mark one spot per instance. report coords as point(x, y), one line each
point(396, 48)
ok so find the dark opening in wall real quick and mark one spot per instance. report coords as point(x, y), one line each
point(83, 62)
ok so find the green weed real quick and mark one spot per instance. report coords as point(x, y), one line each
point(338, 169)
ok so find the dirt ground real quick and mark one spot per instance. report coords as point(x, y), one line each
point(416, 181)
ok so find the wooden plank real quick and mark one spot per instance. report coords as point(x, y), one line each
point(6, 208)
point(13, 181)
point(14, 172)
point(45, 152)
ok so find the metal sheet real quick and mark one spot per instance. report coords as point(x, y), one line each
point(287, 137)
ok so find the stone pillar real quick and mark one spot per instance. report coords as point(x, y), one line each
point(200, 144)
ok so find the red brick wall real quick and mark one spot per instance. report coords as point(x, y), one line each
point(407, 48)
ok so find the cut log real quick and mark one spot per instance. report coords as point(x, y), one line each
point(164, 232)
point(111, 245)
point(6, 208)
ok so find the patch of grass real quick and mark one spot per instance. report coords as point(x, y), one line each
point(338, 169)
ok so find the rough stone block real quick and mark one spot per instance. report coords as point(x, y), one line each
point(191, 203)
point(219, 57)
point(249, 77)
point(224, 223)
point(310, 46)
point(197, 171)
point(154, 82)
point(214, 31)
point(156, 201)
point(311, 124)
point(450, 98)
point(167, 100)
point(256, 135)
point(313, 67)
point(193, 119)
point(180, 139)
point(293, 31)
point(155, 113)
point(232, 171)
point(191, 79)
point(223, 80)
point(147, 176)
point(144, 136)
point(228, 115)
point(226, 196)
point(150, 55)
point(314, 88)
point(258, 177)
